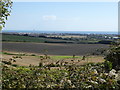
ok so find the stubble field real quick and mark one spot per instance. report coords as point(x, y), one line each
point(52, 49)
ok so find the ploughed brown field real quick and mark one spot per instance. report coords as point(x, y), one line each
point(52, 49)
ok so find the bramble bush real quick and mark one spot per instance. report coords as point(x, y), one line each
point(91, 76)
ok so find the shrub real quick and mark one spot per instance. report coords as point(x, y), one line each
point(114, 55)
point(108, 65)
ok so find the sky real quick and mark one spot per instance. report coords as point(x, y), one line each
point(64, 16)
point(65, 0)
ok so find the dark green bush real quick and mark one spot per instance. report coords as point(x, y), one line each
point(108, 65)
point(15, 65)
point(114, 55)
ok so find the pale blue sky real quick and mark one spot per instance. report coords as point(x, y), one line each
point(64, 16)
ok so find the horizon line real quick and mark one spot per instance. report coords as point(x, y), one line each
point(61, 30)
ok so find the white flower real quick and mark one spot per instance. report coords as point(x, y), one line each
point(89, 77)
point(95, 71)
point(48, 86)
point(105, 74)
point(112, 73)
point(89, 86)
point(101, 74)
point(66, 74)
point(102, 80)
point(73, 86)
point(118, 75)
point(113, 70)
point(69, 81)
point(38, 73)
point(61, 81)
point(93, 82)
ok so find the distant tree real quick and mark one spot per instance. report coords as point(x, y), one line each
point(5, 10)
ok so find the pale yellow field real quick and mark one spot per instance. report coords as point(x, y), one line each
point(35, 60)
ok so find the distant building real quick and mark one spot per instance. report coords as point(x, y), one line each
point(116, 37)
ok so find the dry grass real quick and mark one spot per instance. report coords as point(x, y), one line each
point(35, 60)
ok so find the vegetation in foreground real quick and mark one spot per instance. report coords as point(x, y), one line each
point(92, 76)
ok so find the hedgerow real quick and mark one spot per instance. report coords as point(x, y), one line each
point(90, 76)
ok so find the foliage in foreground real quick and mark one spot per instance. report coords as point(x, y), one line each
point(90, 76)
point(5, 9)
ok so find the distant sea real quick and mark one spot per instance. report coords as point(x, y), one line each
point(50, 32)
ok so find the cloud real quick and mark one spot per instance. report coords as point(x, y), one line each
point(49, 17)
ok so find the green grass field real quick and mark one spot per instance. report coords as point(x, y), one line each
point(16, 38)
point(63, 57)
point(52, 57)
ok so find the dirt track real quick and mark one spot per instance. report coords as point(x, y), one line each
point(52, 49)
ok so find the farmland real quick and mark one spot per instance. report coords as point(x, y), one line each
point(35, 59)
point(17, 38)
point(59, 38)
point(53, 49)
point(31, 62)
